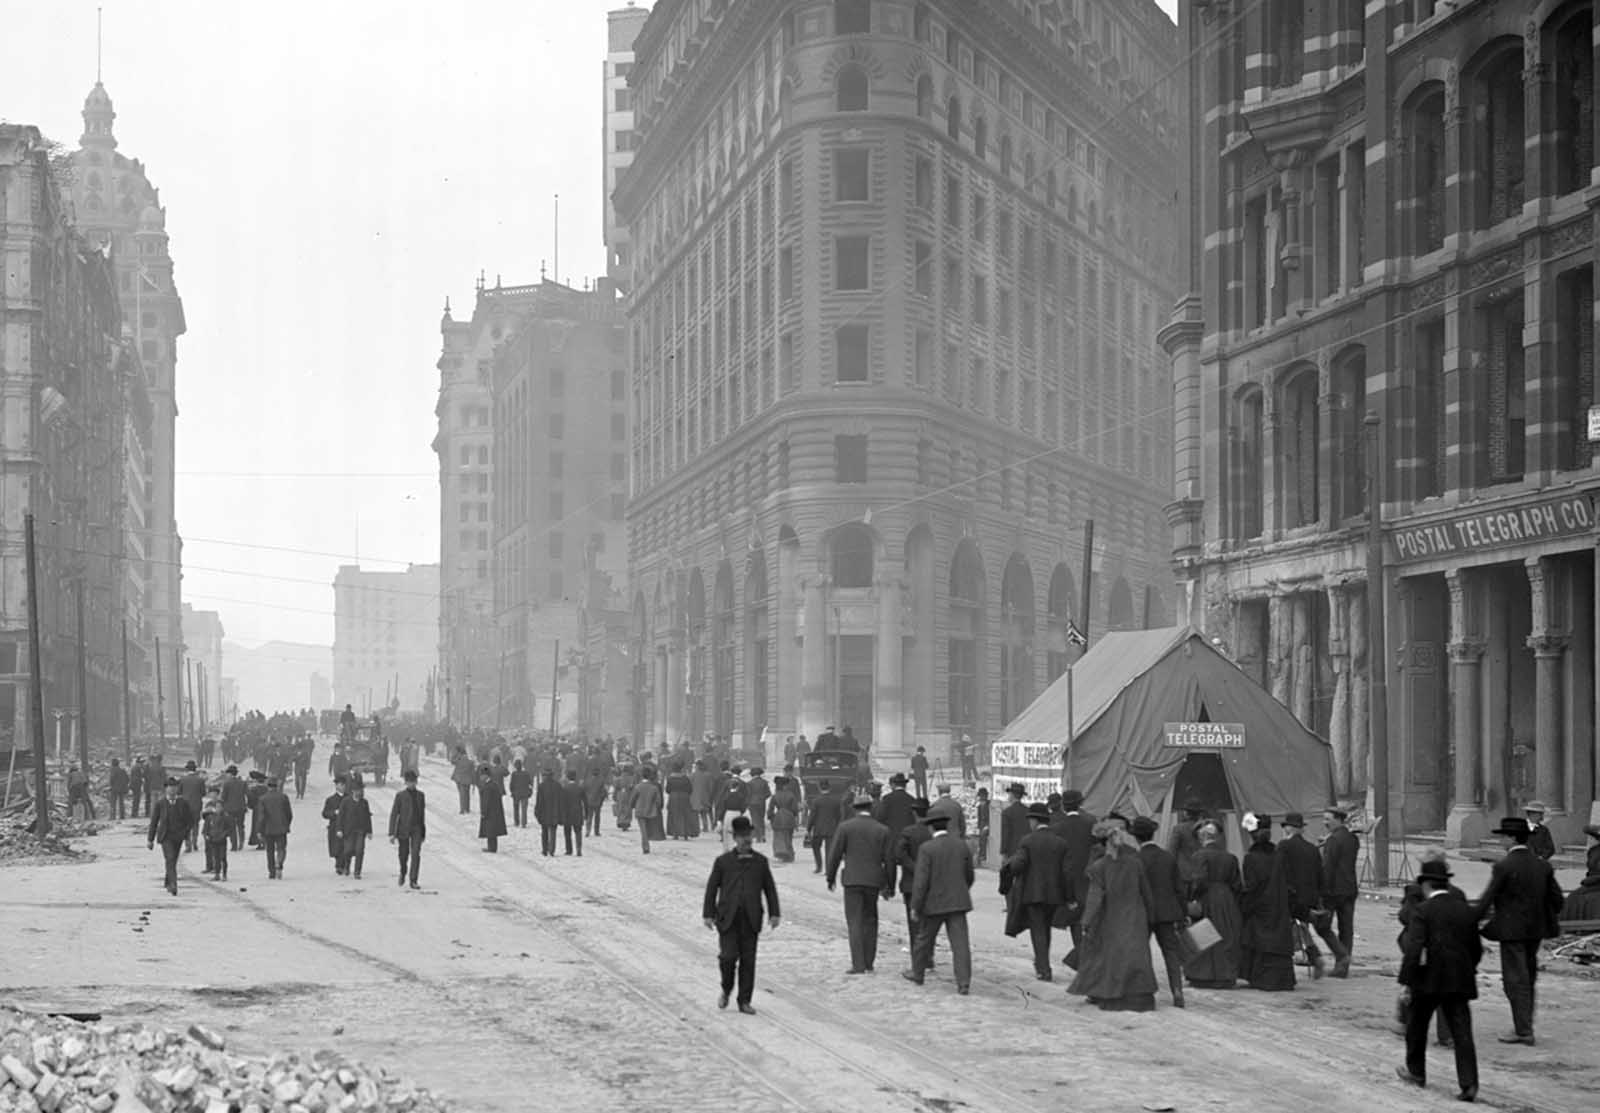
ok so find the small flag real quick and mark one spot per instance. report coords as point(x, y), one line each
point(1075, 635)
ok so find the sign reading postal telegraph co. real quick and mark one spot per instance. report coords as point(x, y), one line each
point(1566, 516)
point(1205, 736)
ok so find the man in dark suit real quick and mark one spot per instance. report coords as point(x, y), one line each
point(547, 807)
point(740, 880)
point(192, 787)
point(919, 770)
point(235, 802)
point(1522, 905)
point(1167, 915)
point(1439, 967)
point(572, 811)
point(1540, 840)
point(1303, 869)
point(1039, 866)
point(941, 896)
point(332, 807)
point(822, 820)
point(277, 816)
point(1014, 825)
point(1339, 885)
point(170, 823)
point(1076, 828)
point(895, 809)
point(408, 826)
point(863, 846)
point(905, 848)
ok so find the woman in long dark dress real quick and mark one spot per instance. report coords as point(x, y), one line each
point(1216, 887)
point(681, 821)
point(783, 813)
point(491, 808)
point(1115, 971)
point(1267, 944)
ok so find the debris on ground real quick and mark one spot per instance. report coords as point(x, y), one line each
point(17, 842)
point(1582, 949)
point(55, 1065)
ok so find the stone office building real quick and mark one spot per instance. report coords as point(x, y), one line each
point(1392, 212)
point(896, 272)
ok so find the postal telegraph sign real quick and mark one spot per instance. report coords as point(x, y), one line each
point(1567, 516)
point(1205, 736)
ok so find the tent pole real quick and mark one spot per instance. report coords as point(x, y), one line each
point(1067, 750)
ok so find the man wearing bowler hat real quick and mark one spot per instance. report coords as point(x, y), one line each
point(1038, 869)
point(408, 827)
point(1167, 915)
point(1014, 820)
point(1303, 866)
point(1540, 840)
point(863, 846)
point(740, 880)
point(1522, 905)
point(941, 896)
point(893, 808)
point(1439, 967)
point(1076, 828)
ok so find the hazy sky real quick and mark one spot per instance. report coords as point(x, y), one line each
point(331, 172)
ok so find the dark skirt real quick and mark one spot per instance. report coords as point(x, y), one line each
point(1267, 971)
point(1217, 967)
point(681, 820)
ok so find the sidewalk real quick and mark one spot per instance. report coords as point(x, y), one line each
point(1471, 874)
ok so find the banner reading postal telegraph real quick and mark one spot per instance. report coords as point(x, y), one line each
point(1035, 765)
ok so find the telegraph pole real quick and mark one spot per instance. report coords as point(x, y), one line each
point(1377, 652)
point(41, 781)
point(127, 710)
point(83, 687)
point(161, 701)
point(177, 678)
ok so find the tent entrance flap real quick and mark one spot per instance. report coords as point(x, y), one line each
point(1204, 777)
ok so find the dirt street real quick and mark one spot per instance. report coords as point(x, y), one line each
point(513, 982)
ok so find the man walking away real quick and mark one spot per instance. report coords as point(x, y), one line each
point(1522, 905)
point(572, 812)
point(408, 826)
point(919, 770)
point(1167, 915)
point(941, 897)
point(740, 880)
point(547, 812)
point(1340, 888)
point(465, 775)
point(1038, 873)
point(235, 802)
point(170, 820)
point(277, 816)
point(116, 791)
point(355, 828)
point(192, 787)
point(822, 820)
point(1303, 865)
point(1439, 968)
point(862, 845)
point(256, 789)
point(521, 793)
point(136, 785)
point(594, 798)
point(331, 807)
point(757, 792)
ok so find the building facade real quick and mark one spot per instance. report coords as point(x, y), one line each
point(560, 454)
point(1392, 214)
point(469, 646)
point(892, 319)
point(202, 642)
point(117, 208)
point(385, 629)
point(65, 448)
point(622, 27)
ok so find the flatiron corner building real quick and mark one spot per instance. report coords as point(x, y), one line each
point(1393, 211)
point(897, 274)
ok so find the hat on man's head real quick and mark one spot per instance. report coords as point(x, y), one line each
point(1039, 811)
point(1535, 806)
point(1071, 798)
point(898, 779)
point(272, 782)
point(741, 825)
point(1435, 870)
point(1053, 800)
point(1016, 788)
point(1143, 828)
point(938, 820)
point(920, 806)
point(189, 765)
point(257, 775)
point(410, 775)
point(1294, 819)
point(1338, 813)
point(1513, 827)
point(171, 782)
point(862, 802)
point(234, 769)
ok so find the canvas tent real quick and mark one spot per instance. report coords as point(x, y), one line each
point(1129, 692)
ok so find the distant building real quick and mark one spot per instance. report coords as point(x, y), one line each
point(560, 450)
point(1392, 213)
point(385, 631)
point(622, 27)
point(202, 643)
point(117, 207)
point(74, 396)
point(898, 271)
point(276, 676)
point(321, 691)
point(469, 647)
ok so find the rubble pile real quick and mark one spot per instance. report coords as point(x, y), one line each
point(54, 1065)
point(17, 842)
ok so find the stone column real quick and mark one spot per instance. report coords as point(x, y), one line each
point(1339, 719)
point(1280, 634)
point(1466, 824)
point(675, 680)
point(658, 698)
point(1303, 658)
point(1549, 642)
point(888, 743)
point(814, 658)
point(1361, 662)
point(785, 708)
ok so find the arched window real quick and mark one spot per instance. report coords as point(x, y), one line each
point(980, 137)
point(851, 554)
point(1573, 90)
point(1298, 451)
point(925, 97)
point(1498, 137)
point(952, 118)
point(1426, 170)
point(1247, 449)
point(850, 89)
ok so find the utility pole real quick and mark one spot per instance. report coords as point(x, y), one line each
point(161, 701)
point(555, 687)
point(83, 687)
point(41, 781)
point(177, 678)
point(127, 710)
point(1377, 652)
